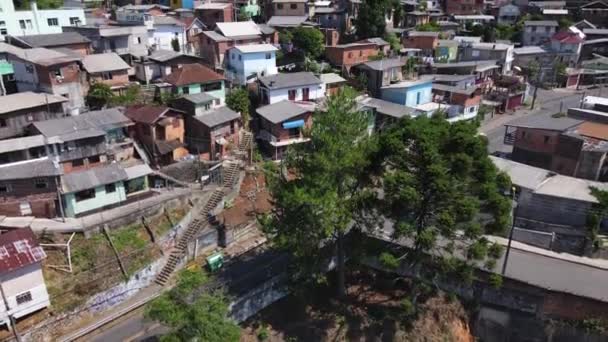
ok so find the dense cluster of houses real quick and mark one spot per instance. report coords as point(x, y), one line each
point(60, 158)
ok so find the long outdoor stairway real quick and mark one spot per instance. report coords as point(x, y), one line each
point(231, 174)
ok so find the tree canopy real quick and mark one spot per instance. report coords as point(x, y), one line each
point(238, 101)
point(310, 40)
point(205, 319)
point(99, 96)
point(371, 21)
point(325, 194)
point(442, 194)
point(42, 4)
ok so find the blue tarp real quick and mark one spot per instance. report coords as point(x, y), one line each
point(293, 124)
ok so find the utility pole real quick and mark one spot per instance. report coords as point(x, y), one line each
point(514, 211)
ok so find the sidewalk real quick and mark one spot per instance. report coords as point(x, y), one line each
point(601, 264)
point(83, 223)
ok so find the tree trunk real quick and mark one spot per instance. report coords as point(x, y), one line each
point(341, 266)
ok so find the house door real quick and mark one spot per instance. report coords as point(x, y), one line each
point(305, 94)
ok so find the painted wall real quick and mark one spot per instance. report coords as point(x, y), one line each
point(101, 199)
point(197, 88)
point(315, 92)
point(25, 279)
point(246, 64)
point(37, 21)
point(411, 96)
point(162, 35)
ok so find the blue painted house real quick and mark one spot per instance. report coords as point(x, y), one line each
point(244, 63)
point(408, 93)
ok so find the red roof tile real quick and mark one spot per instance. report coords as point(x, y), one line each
point(19, 248)
point(192, 73)
point(145, 113)
point(567, 37)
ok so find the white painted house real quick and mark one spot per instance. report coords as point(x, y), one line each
point(35, 21)
point(21, 279)
point(297, 86)
point(245, 63)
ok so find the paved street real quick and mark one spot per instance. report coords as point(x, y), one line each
point(548, 102)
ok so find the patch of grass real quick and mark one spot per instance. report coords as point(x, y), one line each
point(128, 238)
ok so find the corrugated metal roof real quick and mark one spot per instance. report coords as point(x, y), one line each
point(84, 125)
point(252, 48)
point(217, 116)
point(241, 28)
point(22, 249)
point(104, 62)
point(42, 167)
point(281, 111)
point(287, 80)
point(544, 122)
point(287, 20)
point(137, 171)
point(14, 102)
point(89, 179)
point(53, 39)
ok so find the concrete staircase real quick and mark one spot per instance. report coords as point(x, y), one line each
point(245, 143)
point(231, 176)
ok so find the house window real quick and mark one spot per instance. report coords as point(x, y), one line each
point(523, 134)
point(29, 68)
point(53, 21)
point(3, 253)
point(21, 246)
point(37, 253)
point(293, 6)
point(74, 21)
point(350, 55)
point(56, 73)
point(84, 195)
point(240, 58)
point(41, 183)
point(3, 31)
point(418, 98)
point(4, 188)
point(546, 139)
point(291, 95)
point(76, 162)
point(25, 24)
point(279, 6)
point(94, 160)
point(185, 90)
point(106, 75)
point(475, 53)
point(110, 188)
point(24, 298)
point(268, 56)
point(471, 110)
point(3, 123)
point(25, 208)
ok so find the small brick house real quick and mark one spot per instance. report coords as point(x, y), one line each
point(29, 188)
point(282, 124)
point(107, 68)
point(425, 41)
point(211, 13)
point(347, 55)
point(464, 6)
point(160, 130)
point(213, 44)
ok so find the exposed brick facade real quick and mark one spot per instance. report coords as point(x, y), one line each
point(41, 199)
point(350, 54)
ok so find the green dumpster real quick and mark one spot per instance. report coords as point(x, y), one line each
point(215, 261)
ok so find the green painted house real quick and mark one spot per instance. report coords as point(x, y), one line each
point(196, 79)
point(102, 187)
point(446, 51)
